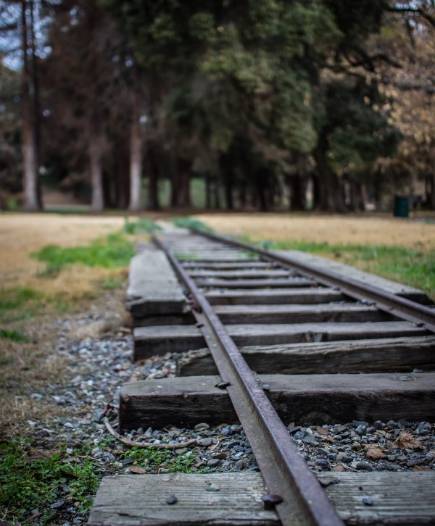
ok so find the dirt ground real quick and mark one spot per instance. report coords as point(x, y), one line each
point(333, 229)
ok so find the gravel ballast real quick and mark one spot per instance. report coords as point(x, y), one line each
point(98, 367)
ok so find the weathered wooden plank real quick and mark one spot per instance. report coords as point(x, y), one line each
point(132, 500)
point(239, 274)
point(274, 296)
point(266, 283)
point(140, 500)
point(228, 265)
point(161, 339)
point(359, 356)
point(168, 319)
point(153, 287)
point(216, 255)
point(338, 312)
point(354, 273)
point(314, 398)
point(405, 499)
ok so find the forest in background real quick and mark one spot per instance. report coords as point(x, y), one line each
point(261, 104)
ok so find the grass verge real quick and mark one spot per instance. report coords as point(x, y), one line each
point(191, 222)
point(14, 336)
point(113, 251)
point(152, 460)
point(37, 486)
point(142, 225)
point(32, 481)
point(406, 265)
point(23, 303)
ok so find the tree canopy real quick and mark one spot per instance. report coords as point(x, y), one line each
point(260, 99)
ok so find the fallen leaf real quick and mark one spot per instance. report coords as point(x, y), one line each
point(406, 441)
point(137, 470)
point(374, 453)
point(321, 431)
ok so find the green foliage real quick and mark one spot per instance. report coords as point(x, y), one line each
point(142, 225)
point(111, 252)
point(112, 282)
point(154, 459)
point(243, 74)
point(406, 265)
point(15, 298)
point(19, 302)
point(14, 336)
point(246, 88)
point(358, 134)
point(191, 222)
point(32, 482)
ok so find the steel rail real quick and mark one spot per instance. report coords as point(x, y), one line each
point(386, 301)
point(293, 491)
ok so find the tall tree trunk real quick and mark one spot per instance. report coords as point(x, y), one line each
point(96, 169)
point(28, 138)
point(180, 183)
point(153, 166)
point(261, 181)
point(242, 194)
point(330, 191)
point(315, 192)
point(357, 198)
point(119, 184)
point(135, 164)
point(36, 98)
point(217, 193)
point(297, 195)
point(378, 191)
point(432, 195)
point(207, 191)
point(185, 197)
point(228, 182)
point(225, 164)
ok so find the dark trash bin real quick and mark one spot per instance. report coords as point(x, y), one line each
point(401, 206)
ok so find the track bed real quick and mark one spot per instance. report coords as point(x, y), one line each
point(265, 340)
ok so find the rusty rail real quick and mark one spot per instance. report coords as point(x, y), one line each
point(383, 300)
point(293, 491)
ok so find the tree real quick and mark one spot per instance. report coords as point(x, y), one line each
point(83, 85)
point(19, 25)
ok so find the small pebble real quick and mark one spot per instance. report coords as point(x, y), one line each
point(201, 427)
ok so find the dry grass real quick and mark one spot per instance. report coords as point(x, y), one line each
point(27, 366)
point(332, 229)
point(23, 234)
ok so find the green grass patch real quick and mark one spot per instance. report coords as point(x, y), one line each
point(31, 484)
point(113, 251)
point(142, 225)
point(154, 459)
point(18, 303)
point(112, 282)
point(191, 222)
point(18, 297)
point(406, 265)
point(22, 303)
point(14, 336)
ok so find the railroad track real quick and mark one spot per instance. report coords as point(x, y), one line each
point(270, 338)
